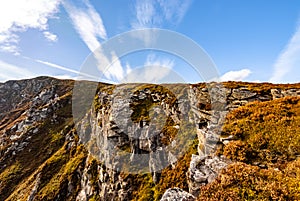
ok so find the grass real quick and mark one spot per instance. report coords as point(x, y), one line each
point(241, 181)
point(144, 187)
point(65, 175)
point(43, 144)
point(267, 133)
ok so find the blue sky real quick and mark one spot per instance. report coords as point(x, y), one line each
point(247, 40)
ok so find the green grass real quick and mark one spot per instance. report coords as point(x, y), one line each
point(57, 182)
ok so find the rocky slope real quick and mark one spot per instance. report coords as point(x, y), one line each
point(129, 142)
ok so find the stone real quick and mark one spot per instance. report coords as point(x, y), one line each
point(276, 93)
point(14, 137)
point(177, 194)
point(116, 131)
point(229, 138)
point(15, 86)
point(242, 94)
point(203, 170)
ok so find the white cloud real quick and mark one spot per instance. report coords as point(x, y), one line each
point(153, 60)
point(50, 36)
point(7, 47)
point(154, 70)
point(146, 14)
point(153, 13)
point(12, 72)
point(88, 23)
point(174, 10)
point(239, 75)
point(52, 65)
point(128, 68)
point(115, 70)
point(157, 14)
point(288, 60)
point(65, 77)
point(19, 15)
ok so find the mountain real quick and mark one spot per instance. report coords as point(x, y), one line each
point(79, 140)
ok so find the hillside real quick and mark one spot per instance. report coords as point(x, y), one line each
point(234, 140)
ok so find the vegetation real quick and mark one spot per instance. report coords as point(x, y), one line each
point(242, 181)
point(174, 175)
point(265, 150)
point(266, 153)
point(59, 180)
point(145, 189)
point(266, 131)
point(260, 88)
point(45, 157)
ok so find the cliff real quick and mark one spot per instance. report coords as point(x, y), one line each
point(61, 141)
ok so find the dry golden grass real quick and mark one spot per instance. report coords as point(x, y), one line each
point(268, 133)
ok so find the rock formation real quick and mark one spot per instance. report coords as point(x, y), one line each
point(122, 143)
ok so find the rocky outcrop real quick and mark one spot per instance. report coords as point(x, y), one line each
point(177, 194)
point(204, 170)
point(43, 105)
point(280, 93)
point(130, 129)
point(15, 94)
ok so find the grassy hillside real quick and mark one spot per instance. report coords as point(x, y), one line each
point(266, 153)
point(51, 164)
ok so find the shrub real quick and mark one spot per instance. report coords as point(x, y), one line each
point(241, 181)
point(268, 128)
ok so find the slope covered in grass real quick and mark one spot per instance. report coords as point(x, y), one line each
point(266, 151)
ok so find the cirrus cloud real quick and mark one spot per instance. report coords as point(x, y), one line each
point(153, 13)
point(288, 60)
point(13, 72)
point(88, 23)
point(20, 15)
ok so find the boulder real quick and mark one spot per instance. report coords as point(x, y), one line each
point(203, 170)
point(177, 194)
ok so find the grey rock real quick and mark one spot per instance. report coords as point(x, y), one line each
point(242, 94)
point(203, 170)
point(177, 194)
point(35, 188)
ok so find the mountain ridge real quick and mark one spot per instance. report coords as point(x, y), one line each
point(36, 124)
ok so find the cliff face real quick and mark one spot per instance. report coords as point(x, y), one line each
point(134, 143)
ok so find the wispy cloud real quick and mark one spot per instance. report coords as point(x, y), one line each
point(50, 36)
point(239, 75)
point(174, 10)
point(146, 15)
point(88, 23)
point(155, 70)
point(288, 59)
point(153, 60)
point(20, 15)
point(154, 13)
point(115, 71)
point(12, 72)
point(78, 73)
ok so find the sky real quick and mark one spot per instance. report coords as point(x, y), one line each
point(251, 40)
